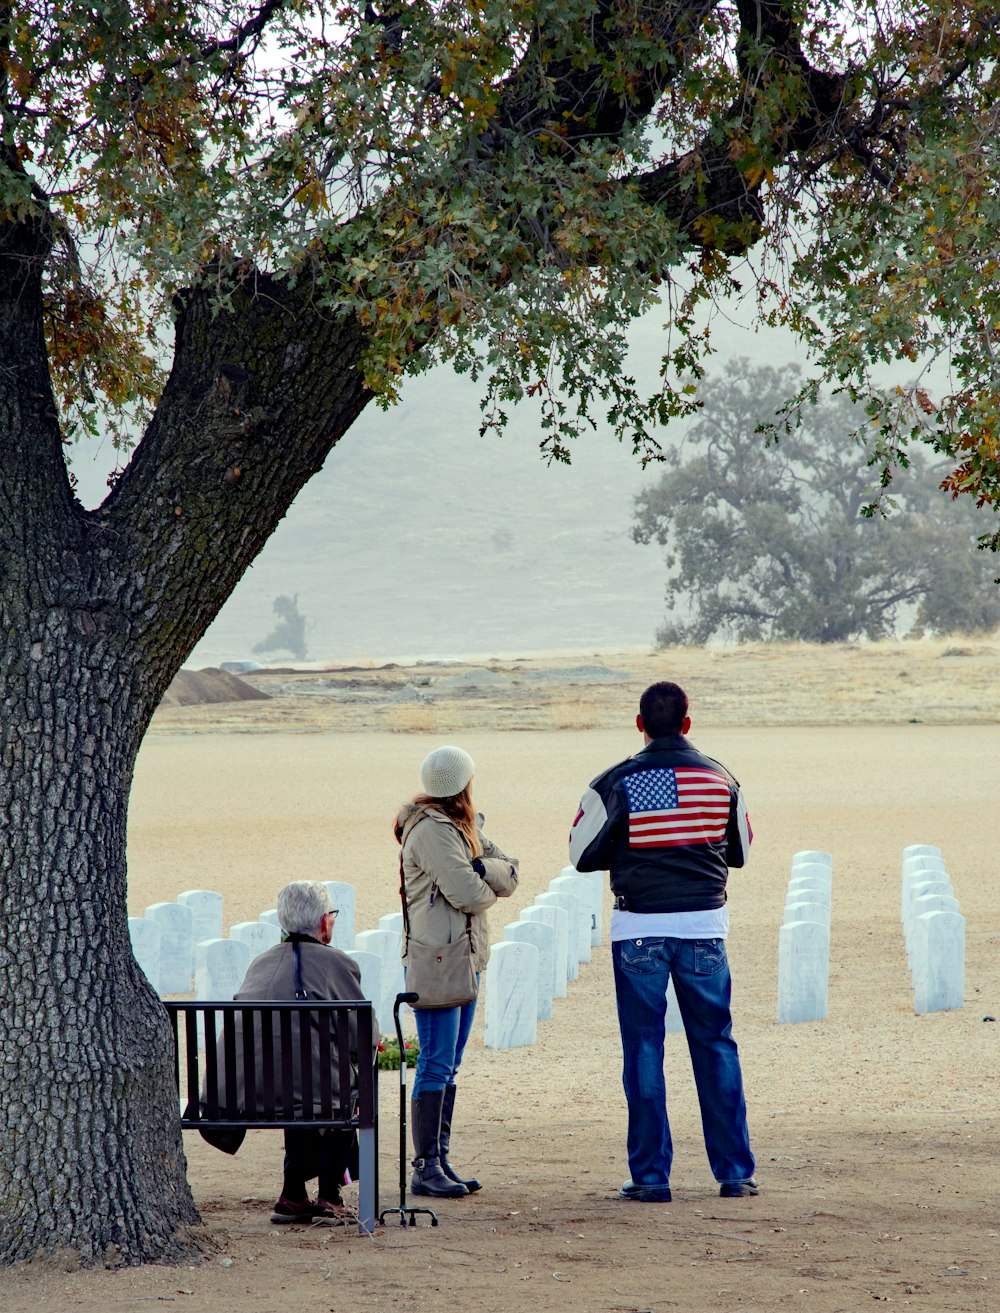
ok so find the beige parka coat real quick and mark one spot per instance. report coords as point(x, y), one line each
point(442, 886)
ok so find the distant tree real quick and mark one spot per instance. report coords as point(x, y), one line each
point(289, 633)
point(771, 541)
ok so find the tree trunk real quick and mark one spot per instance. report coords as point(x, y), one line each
point(98, 610)
point(92, 1157)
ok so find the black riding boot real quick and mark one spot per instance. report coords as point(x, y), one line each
point(444, 1140)
point(428, 1178)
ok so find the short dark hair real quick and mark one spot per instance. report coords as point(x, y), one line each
point(663, 707)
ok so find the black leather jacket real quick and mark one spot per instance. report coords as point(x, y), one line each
point(668, 823)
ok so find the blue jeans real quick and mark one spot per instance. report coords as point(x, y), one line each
point(443, 1034)
point(702, 983)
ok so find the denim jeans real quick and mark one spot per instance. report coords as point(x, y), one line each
point(443, 1034)
point(700, 972)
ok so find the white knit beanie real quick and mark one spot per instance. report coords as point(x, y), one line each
point(446, 771)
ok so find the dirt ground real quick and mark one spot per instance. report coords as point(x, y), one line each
point(876, 1131)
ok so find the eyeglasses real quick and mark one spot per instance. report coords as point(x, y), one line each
point(334, 911)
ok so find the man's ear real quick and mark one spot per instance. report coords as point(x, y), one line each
point(686, 725)
point(639, 725)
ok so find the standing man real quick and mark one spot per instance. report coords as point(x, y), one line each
point(668, 823)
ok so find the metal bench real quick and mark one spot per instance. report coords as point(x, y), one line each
point(239, 1058)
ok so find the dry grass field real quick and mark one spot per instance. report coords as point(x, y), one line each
point(876, 1131)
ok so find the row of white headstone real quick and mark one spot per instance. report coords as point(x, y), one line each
point(933, 930)
point(178, 942)
point(804, 939)
point(540, 954)
point(181, 943)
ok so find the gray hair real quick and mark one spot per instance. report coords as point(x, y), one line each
point(302, 905)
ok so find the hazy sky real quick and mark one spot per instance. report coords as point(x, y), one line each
point(421, 539)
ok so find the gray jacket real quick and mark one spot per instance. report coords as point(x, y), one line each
point(442, 886)
point(327, 973)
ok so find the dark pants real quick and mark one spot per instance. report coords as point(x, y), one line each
point(310, 1153)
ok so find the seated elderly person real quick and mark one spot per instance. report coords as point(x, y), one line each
point(305, 965)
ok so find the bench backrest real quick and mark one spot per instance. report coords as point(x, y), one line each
point(267, 1048)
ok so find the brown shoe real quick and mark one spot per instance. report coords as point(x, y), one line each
point(292, 1210)
point(327, 1212)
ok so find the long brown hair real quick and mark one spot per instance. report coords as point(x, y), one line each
point(460, 811)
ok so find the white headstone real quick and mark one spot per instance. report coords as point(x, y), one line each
point(206, 909)
point(921, 890)
point(343, 897)
point(579, 926)
point(599, 879)
point(813, 871)
point(939, 962)
point(926, 903)
point(391, 921)
point(807, 888)
point(920, 850)
point(176, 946)
point(558, 919)
point(807, 910)
point(257, 935)
point(370, 965)
point(271, 917)
point(219, 968)
point(803, 971)
point(544, 939)
point(511, 996)
point(145, 936)
point(917, 859)
point(812, 855)
point(388, 945)
point(590, 897)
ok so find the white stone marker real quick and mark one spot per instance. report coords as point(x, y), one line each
point(391, 921)
point(807, 889)
point(145, 936)
point(915, 871)
point(511, 996)
point(258, 936)
point(388, 945)
point(579, 927)
point(599, 879)
point(674, 1020)
point(927, 903)
point(544, 939)
point(343, 897)
point(812, 856)
point(370, 966)
point(922, 890)
point(813, 871)
point(219, 968)
point(807, 910)
point(270, 917)
point(589, 897)
point(558, 919)
point(803, 971)
point(206, 908)
point(176, 946)
point(939, 962)
point(911, 851)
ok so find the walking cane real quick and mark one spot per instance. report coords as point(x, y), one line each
point(404, 1208)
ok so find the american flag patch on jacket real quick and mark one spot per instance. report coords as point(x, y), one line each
point(676, 805)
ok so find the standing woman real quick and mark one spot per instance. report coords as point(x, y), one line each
point(451, 875)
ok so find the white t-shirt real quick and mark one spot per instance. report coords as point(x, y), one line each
point(712, 923)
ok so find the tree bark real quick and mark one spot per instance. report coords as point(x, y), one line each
point(98, 610)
